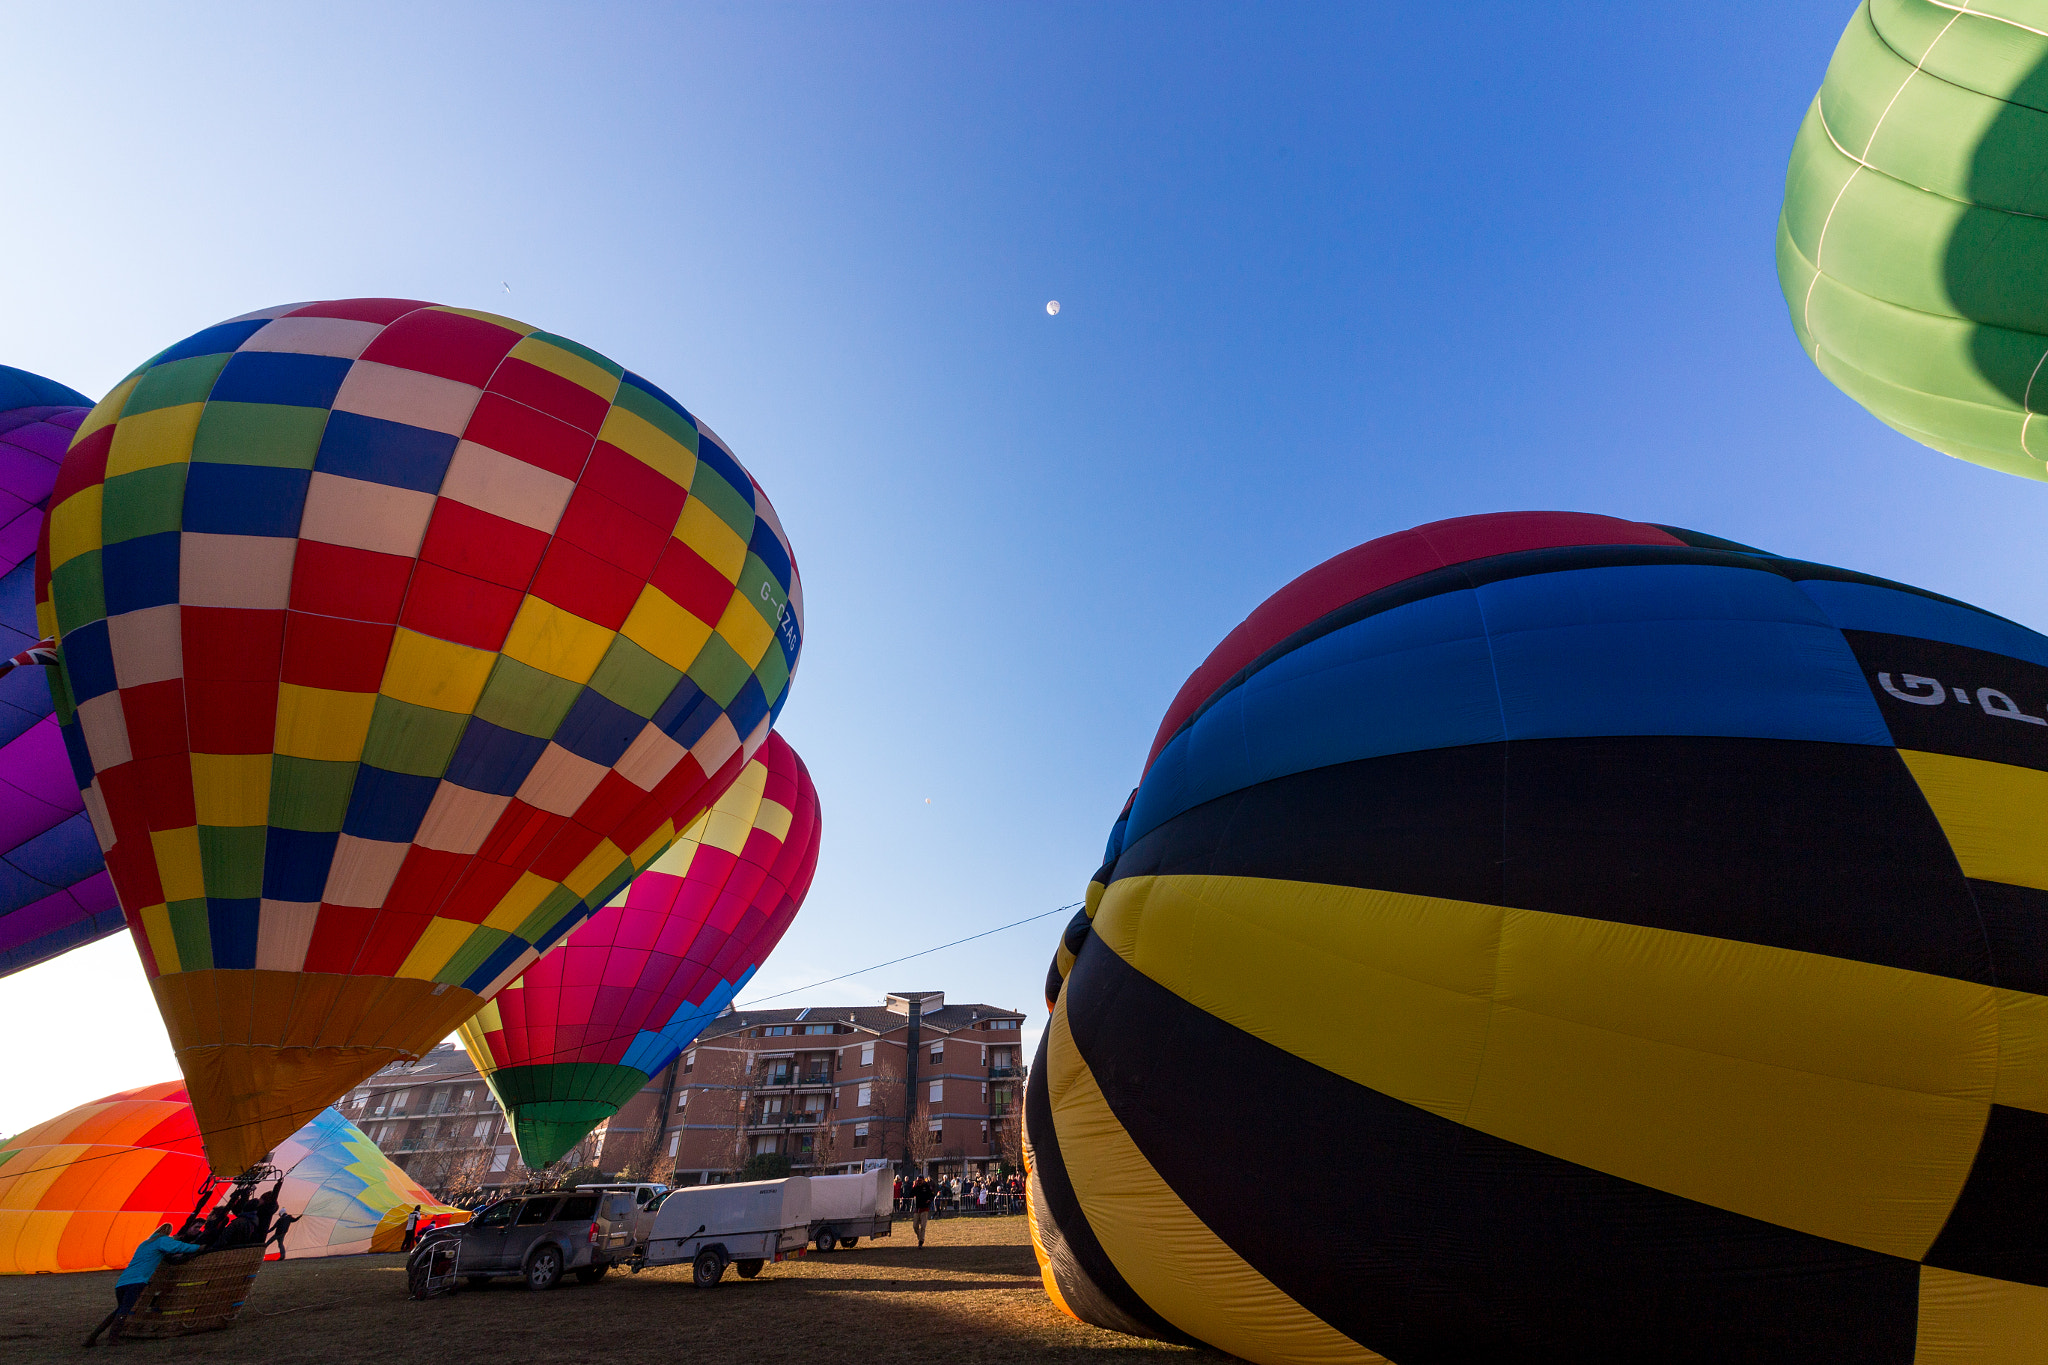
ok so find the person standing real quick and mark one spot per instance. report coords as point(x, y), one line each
point(277, 1231)
point(412, 1228)
point(142, 1264)
point(921, 1194)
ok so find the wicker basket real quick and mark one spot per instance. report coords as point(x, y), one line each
point(202, 1295)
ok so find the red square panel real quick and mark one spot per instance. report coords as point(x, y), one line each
point(224, 717)
point(338, 936)
point(453, 606)
point(156, 718)
point(516, 430)
point(579, 581)
point(166, 787)
point(423, 880)
point(552, 394)
point(482, 886)
point(335, 580)
point(232, 642)
point(334, 653)
point(132, 861)
point(446, 344)
point(392, 937)
point(612, 532)
point(520, 829)
point(475, 542)
point(625, 480)
point(359, 310)
point(84, 466)
point(696, 587)
point(570, 846)
point(609, 803)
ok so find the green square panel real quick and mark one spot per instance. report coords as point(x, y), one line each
point(577, 348)
point(656, 413)
point(635, 679)
point(758, 586)
point(418, 740)
point(773, 673)
point(143, 503)
point(259, 433)
point(179, 381)
point(309, 793)
point(719, 671)
point(522, 698)
point(547, 914)
point(480, 944)
point(232, 859)
point(710, 488)
point(192, 931)
point(78, 592)
point(614, 882)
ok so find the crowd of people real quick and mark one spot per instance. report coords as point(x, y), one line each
point(964, 1193)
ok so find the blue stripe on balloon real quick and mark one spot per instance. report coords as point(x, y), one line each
point(653, 1049)
point(1666, 649)
point(1866, 606)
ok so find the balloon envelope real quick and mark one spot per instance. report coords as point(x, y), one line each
point(1915, 222)
point(80, 1191)
point(54, 889)
point(1653, 932)
point(395, 638)
point(586, 1026)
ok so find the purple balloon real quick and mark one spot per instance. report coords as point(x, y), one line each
point(54, 890)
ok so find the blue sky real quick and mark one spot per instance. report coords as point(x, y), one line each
point(1325, 273)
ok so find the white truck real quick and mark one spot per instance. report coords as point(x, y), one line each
point(846, 1208)
point(744, 1225)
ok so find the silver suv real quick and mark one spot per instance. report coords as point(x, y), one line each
point(538, 1237)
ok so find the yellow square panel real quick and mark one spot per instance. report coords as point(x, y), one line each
point(1989, 812)
point(601, 863)
point(509, 324)
point(313, 722)
point(163, 944)
point(774, 820)
point(745, 630)
point(441, 941)
point(568, 365)
point(231, 789)
point(656, 843)
point(649, 444)
point(546, 637)
point(177, 863)
point(436, 673)
point(75, 525)
point(108, 410)
point(665, 630)
point(149, 439)
point(702, 530)
point(522, 900)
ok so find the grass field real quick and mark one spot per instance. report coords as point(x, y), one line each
point(971, 1294)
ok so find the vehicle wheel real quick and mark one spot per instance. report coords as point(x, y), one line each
point(476, 1281)
point(748, 1269)
point(591, 1274)
point(826, 1240)
point(849, 1242)
point(708, 1269)
point(544, 1269)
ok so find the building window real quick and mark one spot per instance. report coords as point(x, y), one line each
point(689, 1062)
point(764, 1146)
point(938, 1052)
point(938, 1127)
point(682, 1099)
point(468, 1097)
point(860, 1135)
point(867, 1096)
point(938, 1091)
point(500, 1160)
point(674, 1140)
point(775, 1031)
point(821, 1028)
point(483, 1128)
point(439, 1103)
point(867, 1054)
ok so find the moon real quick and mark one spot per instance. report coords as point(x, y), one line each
point(1053, 309)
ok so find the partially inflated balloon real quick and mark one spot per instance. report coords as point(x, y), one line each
point(54, 889)
point(80, 1191)
point(1648, 935)
point(586, 1026)
point(395, 639)
point(1915, 227)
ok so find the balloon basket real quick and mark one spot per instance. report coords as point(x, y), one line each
point(204, 1294)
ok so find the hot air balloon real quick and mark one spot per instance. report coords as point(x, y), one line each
point(78, 1192)
point(1614, 942)
point(1914, 224)
point(586, 1026)
point(54, 889)
point(395, 638)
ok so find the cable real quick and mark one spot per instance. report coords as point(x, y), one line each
point(908, 956)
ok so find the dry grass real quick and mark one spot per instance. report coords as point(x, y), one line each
point(970, 1295)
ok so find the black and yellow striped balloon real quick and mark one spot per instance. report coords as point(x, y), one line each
point(1544, 937)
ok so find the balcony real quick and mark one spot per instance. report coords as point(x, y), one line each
point(1002, 1073)
point(783, 1080)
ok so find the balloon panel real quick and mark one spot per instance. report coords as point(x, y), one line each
point(54, 891)
point(1655, 929)
point(395, 639)
point(586, 1026)
point(80, 1191)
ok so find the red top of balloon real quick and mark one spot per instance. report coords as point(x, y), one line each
point(1380, 563)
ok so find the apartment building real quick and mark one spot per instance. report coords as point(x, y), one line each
point(438, 1121)
point(913, 1080)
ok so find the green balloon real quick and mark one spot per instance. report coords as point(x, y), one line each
point(1913, 245)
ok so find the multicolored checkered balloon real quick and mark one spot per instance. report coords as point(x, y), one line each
point(395, 639)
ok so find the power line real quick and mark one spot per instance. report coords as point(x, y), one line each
point(926, 952)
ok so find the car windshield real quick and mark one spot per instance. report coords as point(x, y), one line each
point(497, 1215)
point(537, 1211)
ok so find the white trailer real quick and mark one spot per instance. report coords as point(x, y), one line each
point(745, 1225)
point(846, 1208)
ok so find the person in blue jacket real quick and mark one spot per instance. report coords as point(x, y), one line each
point(135, 1278)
